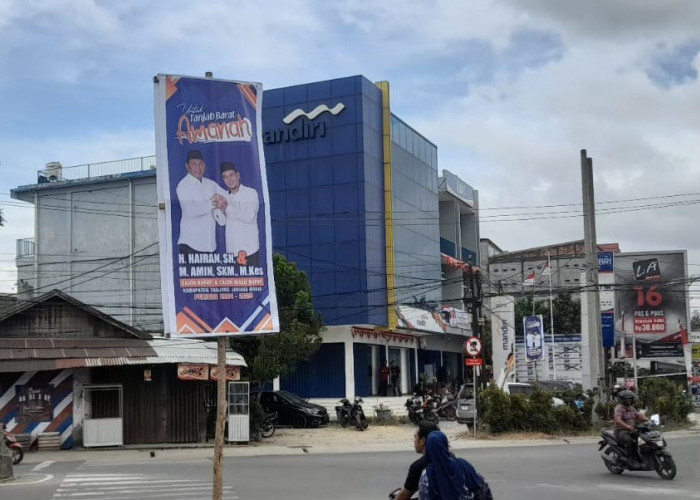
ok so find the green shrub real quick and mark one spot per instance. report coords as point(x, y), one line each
point(541, 412)
point(567, 418)
point(257, 415)
point(661, 395)
point(533, 413)
point(495, 407)
point(605, 409)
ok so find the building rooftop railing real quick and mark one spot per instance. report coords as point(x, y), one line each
point(56, 172)
point(25, 247)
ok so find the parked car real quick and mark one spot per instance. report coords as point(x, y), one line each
point(557, 385)
point(292, 410)
point(465, 405)
point(525, 389)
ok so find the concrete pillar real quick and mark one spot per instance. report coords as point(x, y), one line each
point(349, 370)
point(405, 367)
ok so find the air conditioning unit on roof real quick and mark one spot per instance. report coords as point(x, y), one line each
point(54, 171)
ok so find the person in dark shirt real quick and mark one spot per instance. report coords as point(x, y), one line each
point(410, 486)
point(626, 417)
point(395, 381)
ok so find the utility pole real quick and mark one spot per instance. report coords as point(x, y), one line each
point(472, 299)
point(595, 348)
point(221, 342)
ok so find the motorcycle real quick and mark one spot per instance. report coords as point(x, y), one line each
point(342, 412)
point(447, 408)
point(414, 406)
point(14, 446)
point(430, 409)
point(267, 428)
point(395, 493)
point(351, 412)
point(651, 451)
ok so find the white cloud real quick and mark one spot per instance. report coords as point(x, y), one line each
point(509, 90)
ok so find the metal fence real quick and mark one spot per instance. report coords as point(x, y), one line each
point(25, 247)
point(98, 169)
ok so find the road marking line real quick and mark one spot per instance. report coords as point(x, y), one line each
point(42, 465)
point(44, 477)
point(650, 490)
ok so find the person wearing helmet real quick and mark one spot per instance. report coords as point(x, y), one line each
point(626, 417)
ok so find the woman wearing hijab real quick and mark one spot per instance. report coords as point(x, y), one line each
point(444, 478)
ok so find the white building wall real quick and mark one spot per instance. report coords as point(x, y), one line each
point(98, 241)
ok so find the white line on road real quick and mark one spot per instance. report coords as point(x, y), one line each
point(152, 461)
point(642, 490)
point(23, 480)
point(42, 465)
point(133, 486)
point(650, 490)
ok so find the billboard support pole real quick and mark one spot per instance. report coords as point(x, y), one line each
point(218, 486)
point(634, 363)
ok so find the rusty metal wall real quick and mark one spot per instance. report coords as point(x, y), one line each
point(162, 410)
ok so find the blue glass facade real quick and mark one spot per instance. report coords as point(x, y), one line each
point(416, 210)
point(325, 177)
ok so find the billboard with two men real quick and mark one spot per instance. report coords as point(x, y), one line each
point(214, 217)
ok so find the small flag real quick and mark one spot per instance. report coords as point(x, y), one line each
point(545, 271)
point(530, 280)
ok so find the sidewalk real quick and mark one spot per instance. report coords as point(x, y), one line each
point(325, 440)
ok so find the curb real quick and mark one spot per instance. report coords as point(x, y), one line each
point(155, 452)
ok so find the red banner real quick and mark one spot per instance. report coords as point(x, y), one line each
point(473, 361)
point(376, 334)
point(232, 373)
point(192, 372)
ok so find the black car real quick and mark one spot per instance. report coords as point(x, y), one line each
point(293, 410)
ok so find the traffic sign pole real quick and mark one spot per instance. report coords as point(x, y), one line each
point(474, 377)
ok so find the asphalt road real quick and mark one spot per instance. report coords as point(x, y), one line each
point(525, 473)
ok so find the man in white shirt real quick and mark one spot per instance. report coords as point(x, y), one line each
point(239, 206)
point(197, 196)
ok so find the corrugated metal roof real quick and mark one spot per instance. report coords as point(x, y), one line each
point(50, 354)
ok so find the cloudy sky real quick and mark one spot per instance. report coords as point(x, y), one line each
point(509, 90)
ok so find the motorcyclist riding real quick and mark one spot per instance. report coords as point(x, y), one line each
point(416, 469)
point(626, 417)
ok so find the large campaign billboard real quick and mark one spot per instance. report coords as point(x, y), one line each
point(214, 215)
point(651, 302)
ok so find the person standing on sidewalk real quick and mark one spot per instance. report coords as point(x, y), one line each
point(410, 486)
point(383, 378)
point(395, 378)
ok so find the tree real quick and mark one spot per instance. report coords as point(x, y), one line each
point(567, 314)
point(695, 322)
point(276, 354)
point(2, 219)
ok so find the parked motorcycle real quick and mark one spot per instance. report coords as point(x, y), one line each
point(342, 412)
point(414, 406)
point(267, 428)
point(14, 446)
point(430, 409)
point(351, 412)
point(651, 450)
point(447, 408)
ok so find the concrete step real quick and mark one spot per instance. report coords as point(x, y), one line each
point(396, 404)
